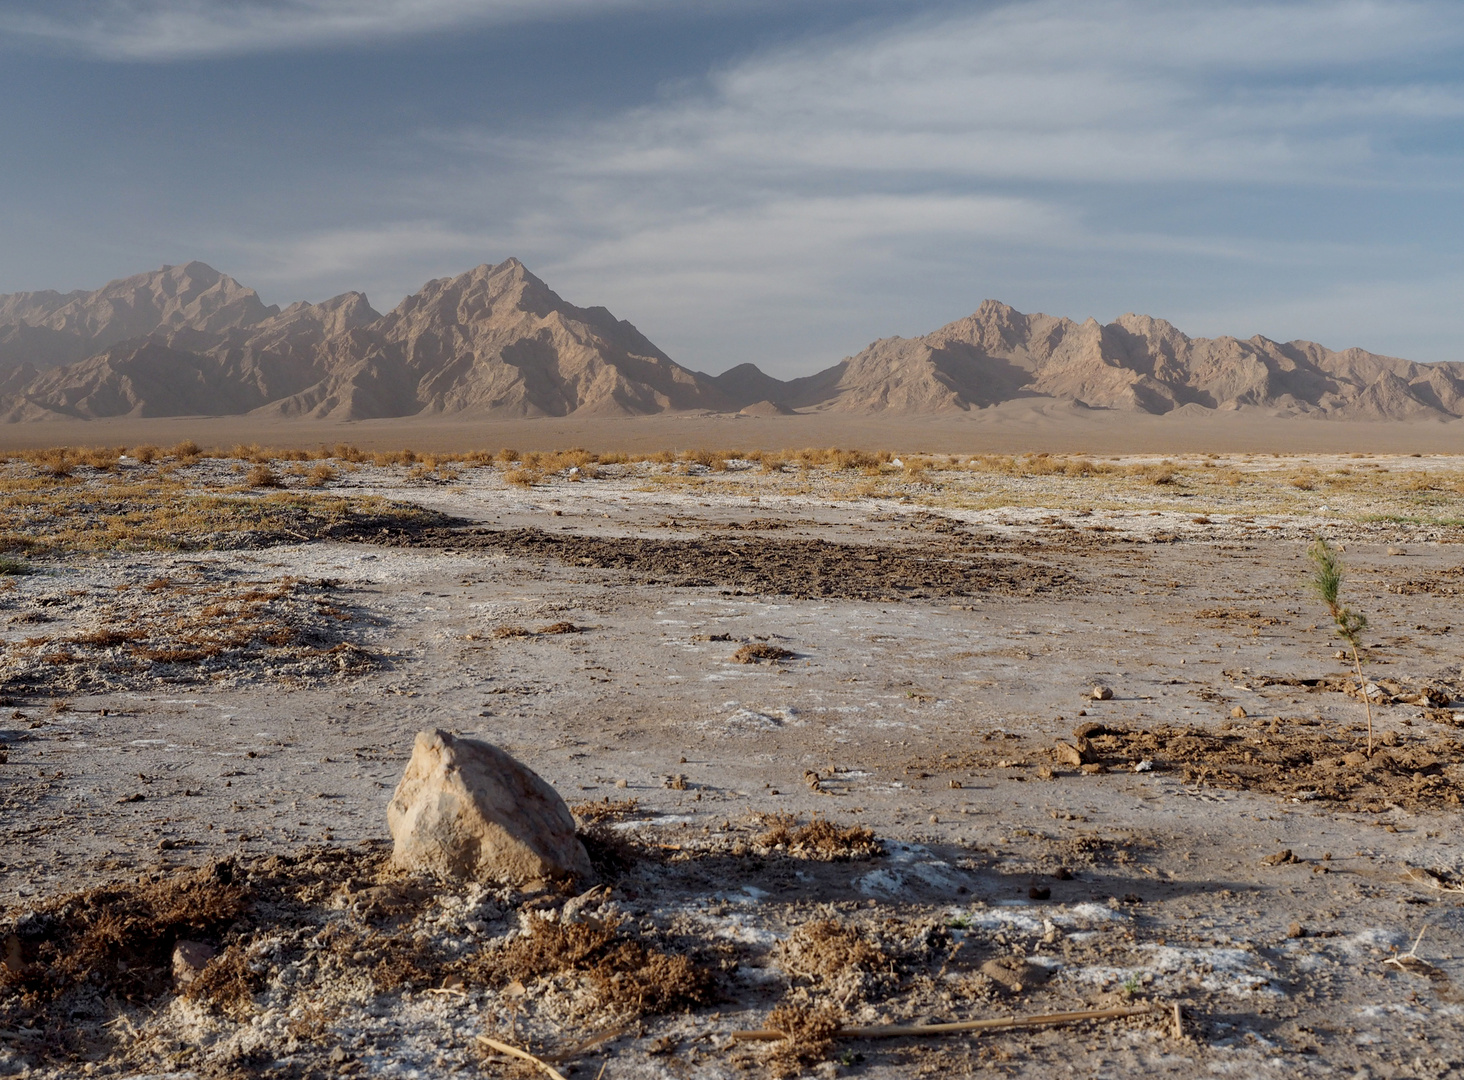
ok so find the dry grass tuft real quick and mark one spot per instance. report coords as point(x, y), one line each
point(502, 632)
point(626, 975)
point(227, 983)
point(760, 652)
point(161, 513)
point(808, 1038)
point(262, 476)
point(820, 839)
point(523, 477)
point(120, 937)
point(594, 812)
point(829, 948)
point(559, 628)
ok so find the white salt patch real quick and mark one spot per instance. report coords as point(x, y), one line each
point(1237, 972)
point(1368, 941)
point(747, 720)
point(1088, 913)
point(905, 864)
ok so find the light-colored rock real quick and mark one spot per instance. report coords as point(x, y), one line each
point(1068, 754)
point(1101, 693)
point(466, 809)
point(189, 960)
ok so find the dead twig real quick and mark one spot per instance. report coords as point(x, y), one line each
point(1412, 954)
point(523, 1055)
point(894, 1031)
point(580, 1048)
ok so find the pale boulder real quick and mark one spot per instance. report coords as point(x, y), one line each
point(465, 809)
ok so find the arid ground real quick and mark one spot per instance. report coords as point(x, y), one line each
point(853, 740)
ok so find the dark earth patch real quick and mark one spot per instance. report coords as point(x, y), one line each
point(951, 565)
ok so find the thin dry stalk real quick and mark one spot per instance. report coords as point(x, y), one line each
point(522, 1055)
point(894, 1031)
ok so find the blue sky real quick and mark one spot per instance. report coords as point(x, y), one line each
point(778, 182)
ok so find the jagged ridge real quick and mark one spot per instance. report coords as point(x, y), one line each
point(497, 341)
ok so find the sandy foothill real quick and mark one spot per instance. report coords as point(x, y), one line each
point(835, 737)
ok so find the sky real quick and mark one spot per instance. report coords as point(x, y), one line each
point(774, 181)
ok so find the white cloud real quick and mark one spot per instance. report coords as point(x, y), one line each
point(1114, 90)
point(184, 29)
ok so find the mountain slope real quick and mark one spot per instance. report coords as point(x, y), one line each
point(1134, 364)
point(496, 340)
point(76, 325)
point(188, 340)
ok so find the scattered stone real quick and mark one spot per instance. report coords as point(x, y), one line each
point(1101, 692)
point(1296, 930)
point(1281, 858)
point(189, 960)
point(1238, 713)
point(466, 809)
point(1013, 974)
point(1356, 759)
point(1039, 892)
point(1093, 729)
point(1068, 754)
point(1063, 874)
point(1093, 768)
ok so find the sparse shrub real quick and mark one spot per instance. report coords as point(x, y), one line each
point(508, 455)
point(262, 476)
point(1326, 581)
point(14, 567)
point(146, 454)
point(523, 477)
point(321, 475)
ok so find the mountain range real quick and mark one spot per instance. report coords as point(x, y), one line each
point(497, 342)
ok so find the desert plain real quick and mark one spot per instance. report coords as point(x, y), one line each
point(854, 739)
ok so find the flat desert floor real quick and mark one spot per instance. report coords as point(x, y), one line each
point(852, 742)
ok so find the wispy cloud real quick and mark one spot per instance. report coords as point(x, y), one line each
point(1111, 90)
point(187, 29)
point(899, 168)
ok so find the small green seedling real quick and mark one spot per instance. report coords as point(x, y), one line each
point(1326, 580)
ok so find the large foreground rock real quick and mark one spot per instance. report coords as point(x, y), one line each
point(466, 809)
